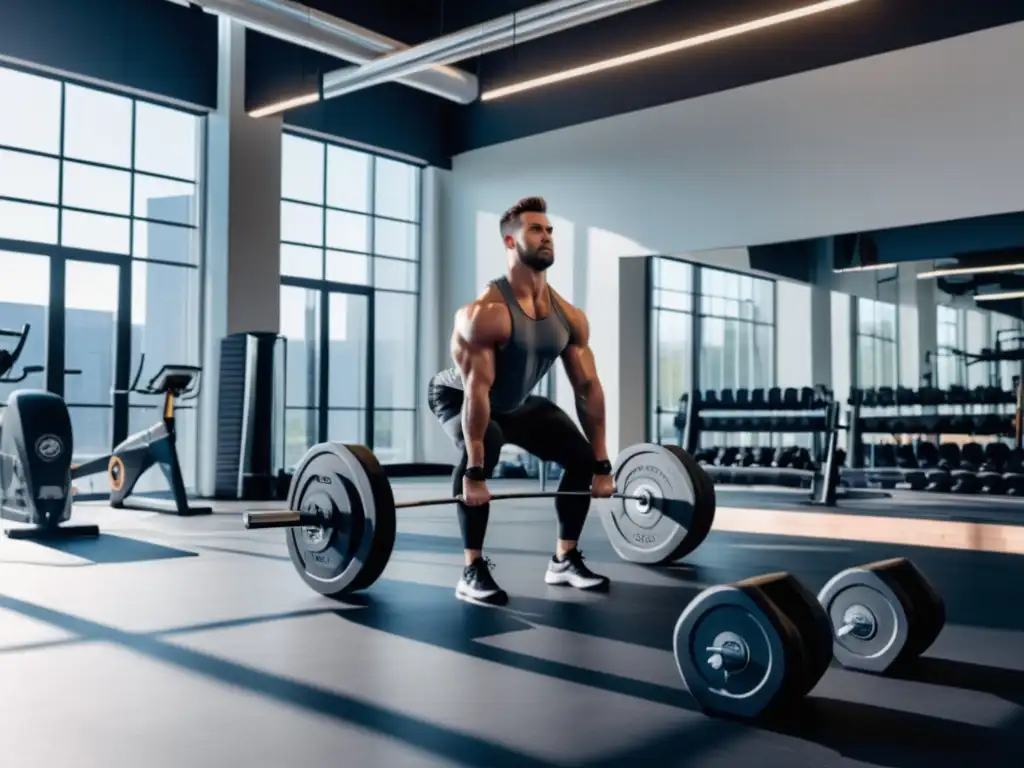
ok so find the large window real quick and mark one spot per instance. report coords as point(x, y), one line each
point(735, 322)
point(737, 330)
point(350, 241)
point(972, 330)
point(877, 352)
point(100, 250)
point(1005, 330)
point(947, 369)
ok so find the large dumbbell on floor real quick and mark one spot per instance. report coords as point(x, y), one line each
point(882, 614)
point(753, 647)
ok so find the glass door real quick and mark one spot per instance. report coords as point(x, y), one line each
point(24, 300)
point(328, 382)
point(93, 350)
point(348, 378)
point(300, 325)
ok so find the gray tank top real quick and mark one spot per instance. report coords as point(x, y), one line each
point(531, 350)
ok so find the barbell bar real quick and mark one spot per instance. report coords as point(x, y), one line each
point(292, 519)
point(340, 521)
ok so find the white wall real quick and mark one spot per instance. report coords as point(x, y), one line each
point(922, 134)
point(793, 334)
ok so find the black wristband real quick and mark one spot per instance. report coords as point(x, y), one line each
point(475, 473)
point(602, 467)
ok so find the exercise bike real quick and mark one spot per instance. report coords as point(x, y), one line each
point(155, 446)
point(35, 456)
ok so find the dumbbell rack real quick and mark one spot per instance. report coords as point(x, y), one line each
point(932, 412)
point(775, 411)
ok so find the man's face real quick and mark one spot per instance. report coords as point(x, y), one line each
point(534, 245)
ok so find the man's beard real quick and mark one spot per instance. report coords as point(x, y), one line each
point(537, 260)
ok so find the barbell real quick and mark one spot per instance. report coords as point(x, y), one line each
point(291, 519)
point(743, 649)
point(341, 517)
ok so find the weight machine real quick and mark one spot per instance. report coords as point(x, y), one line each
point(35, 455)
point(154, 446)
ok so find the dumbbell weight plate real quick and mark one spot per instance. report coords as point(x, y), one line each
point(738, 652)
point(882, 614)
point(925, 608)
point(346, 485)
point(801, 606)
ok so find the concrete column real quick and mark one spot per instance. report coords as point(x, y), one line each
point(821, 335)
point(927, 302)
point(909, 317)
point(242, 226)
point(618, 337)
point(432, 445)
point(794, 330)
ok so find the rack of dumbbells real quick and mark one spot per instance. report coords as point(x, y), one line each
point(934, 431)
point(808, 410)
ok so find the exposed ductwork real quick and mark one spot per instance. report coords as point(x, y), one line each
point(309, 28)
point(503, 32)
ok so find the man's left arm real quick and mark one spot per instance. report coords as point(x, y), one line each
point(578, 359)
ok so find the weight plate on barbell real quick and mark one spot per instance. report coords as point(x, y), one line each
point(679, 515)
point(731, 653)
point(345, 485)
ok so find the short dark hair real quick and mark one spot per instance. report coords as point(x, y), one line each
point(510, 220)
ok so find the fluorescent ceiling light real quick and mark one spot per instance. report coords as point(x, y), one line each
point(999, 296)
point(528, 24)
point(284, 106)
point(866, 268)
point(661, 50)
point(953, 271)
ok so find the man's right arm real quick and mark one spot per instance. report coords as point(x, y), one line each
point(478, 331)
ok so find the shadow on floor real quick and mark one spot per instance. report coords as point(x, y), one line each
point(1005, 684)
point(858, 731)
point(430, 615)
point(108, 549)
point(457, 747)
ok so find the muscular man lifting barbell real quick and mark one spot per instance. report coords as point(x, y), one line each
point(503, 343)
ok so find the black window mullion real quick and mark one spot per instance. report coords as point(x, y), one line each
point(323, 349)
point(60, 162)
point(131, 190)
point(371, 221)
point(55, 360)
point(371, 352)
point(370, 363)
point(323, 218)
point(123, 353)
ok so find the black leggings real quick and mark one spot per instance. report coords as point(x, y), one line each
point(539, 427)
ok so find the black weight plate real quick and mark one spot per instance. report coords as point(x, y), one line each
point(802, 608)
point(926, 611)
point(346, 483)
point(705, 503)
point(678, 519)
point(864, 602)
point(744, 689)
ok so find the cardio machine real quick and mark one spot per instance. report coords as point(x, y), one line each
point(137, 453)
point(35, 456)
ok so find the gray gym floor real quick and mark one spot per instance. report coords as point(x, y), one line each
point(192, 642)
